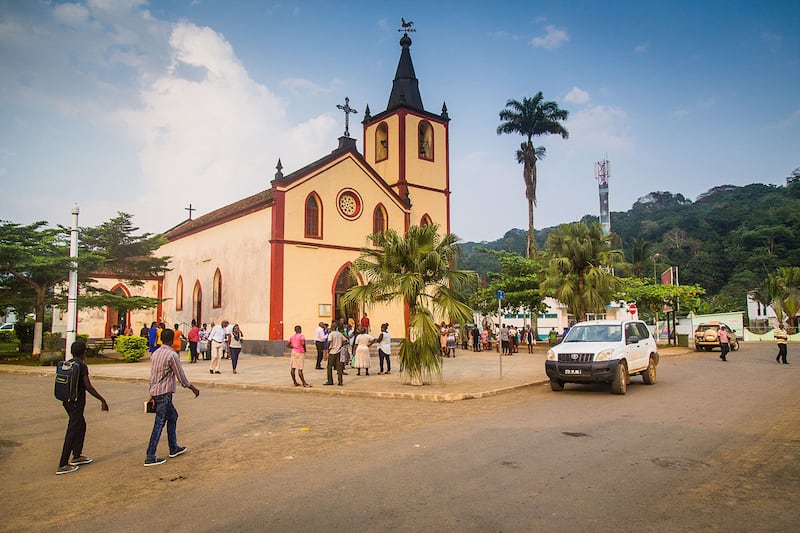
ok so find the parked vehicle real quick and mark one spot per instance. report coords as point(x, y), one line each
point(706, 336)
point(8, 326)
point(603, 351)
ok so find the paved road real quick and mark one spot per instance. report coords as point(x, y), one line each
point(712, 446)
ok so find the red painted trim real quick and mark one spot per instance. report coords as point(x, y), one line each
point(317, 245)
point(447, 171)
point(401, 175)
point(426, 188)
point(160, 308)
point(425, 220)
point(382, 210)
point(276, 266)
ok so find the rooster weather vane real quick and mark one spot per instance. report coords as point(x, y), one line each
point(407, 26)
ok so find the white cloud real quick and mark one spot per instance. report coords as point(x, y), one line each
point(683, 112)
point(552, 39)
point(300, 85)
point(71, 14)
point(577, 96)
point(641, 48)
point(772, 40)
point(214, 138)
point(599, 129)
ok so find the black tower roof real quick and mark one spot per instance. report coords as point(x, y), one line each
point(405, 89)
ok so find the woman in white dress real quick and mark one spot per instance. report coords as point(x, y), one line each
point(363, 342)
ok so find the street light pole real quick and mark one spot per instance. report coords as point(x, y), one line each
point(655, 280)
point(72, 295)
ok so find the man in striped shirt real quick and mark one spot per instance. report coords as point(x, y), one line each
point(166, 367)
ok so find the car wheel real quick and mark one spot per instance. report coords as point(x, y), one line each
point(649, 375)
point(556, 386)
point(708, 348)
point(620, 383)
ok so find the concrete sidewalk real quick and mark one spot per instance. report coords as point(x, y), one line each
point(468, 375)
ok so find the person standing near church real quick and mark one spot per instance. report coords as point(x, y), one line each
point(365, 323)
point(363, 342)
point(385, 348)
point(165, 368)
point(76, 427)
point(724, 343)
point(152, 337)
point(235, 345)
point(194, 337)
point(336, 344)
point(176, 342)
point(780, 338)
point(319, 343)
point(297, 343)
point(216, 338)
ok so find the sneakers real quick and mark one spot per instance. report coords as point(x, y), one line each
point(80, 460)
point(154, 461)
point(178, 451)
point(66, 469)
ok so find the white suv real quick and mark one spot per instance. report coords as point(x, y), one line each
point(603, 351)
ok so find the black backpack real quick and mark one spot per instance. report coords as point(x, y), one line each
point(68, 376)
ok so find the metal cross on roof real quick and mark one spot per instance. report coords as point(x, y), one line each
point(190, 209)
point(347, 110)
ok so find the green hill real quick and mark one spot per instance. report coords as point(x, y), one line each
point(727, 240)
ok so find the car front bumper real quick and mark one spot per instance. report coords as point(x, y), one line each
point(594, 372)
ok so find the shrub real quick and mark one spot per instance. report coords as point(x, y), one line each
point(8, 336)
point(130, 347)
point(52, 342)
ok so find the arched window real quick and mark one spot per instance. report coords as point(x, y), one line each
point(197, 303)
point(217, 293)
point(313, 218)
point(425, 221)
point(381, 142)
point(425, 140)
point(179, 294)
point(379, 219)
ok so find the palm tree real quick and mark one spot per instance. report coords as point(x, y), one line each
point(530, 118)
point(415, 269)
point(639, 255)
point(784, 289)
point(578, 271)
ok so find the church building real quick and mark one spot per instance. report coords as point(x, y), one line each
point(281, 257)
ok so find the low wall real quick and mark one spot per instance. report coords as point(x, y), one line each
point(768, 336)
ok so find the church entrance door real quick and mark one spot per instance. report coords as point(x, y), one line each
point(197, 304)
point(343, 282)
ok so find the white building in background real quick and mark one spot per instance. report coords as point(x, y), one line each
point(556, 316)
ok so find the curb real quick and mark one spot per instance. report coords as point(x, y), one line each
point(428, 397)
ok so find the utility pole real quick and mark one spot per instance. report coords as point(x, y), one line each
point(72, 295)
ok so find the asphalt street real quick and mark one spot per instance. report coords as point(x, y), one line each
point(712, 446)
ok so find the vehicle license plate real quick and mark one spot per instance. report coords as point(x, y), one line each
point(572, 371)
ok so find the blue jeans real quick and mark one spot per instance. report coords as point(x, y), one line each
point(165, 412)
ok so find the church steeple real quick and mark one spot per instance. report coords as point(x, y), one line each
point(405, 89)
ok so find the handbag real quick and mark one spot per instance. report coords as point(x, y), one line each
point(150, 405)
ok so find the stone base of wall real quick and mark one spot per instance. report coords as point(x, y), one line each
point(268, 348)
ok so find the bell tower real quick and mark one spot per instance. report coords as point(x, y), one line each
point(409, 147)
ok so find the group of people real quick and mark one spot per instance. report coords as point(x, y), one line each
point(340, 343)
point(223, 341)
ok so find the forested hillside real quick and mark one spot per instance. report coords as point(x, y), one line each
point(727, 241)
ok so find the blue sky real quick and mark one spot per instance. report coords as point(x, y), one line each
point(146, 107)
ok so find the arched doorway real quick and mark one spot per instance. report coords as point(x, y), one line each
point(115, 317)
point(197, 303)
point(344, 280)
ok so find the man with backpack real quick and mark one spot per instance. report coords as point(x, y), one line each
point(72, 383)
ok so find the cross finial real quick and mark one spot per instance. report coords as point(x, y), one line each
point(190, 209)
point(347, 110)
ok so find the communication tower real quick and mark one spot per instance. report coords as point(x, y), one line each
point(602, 171)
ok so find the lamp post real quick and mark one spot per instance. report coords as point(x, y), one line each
point(72, 295)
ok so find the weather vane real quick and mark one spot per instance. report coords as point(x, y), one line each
point(347, 110)
point(407, 26)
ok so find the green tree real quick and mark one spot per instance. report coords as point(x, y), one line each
point(530, 118)
point(415, 269)
point(579, 268)
point(784, 290)
point(35, 265)
point(640, 255)
point(651, 297)
point(518, 278)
